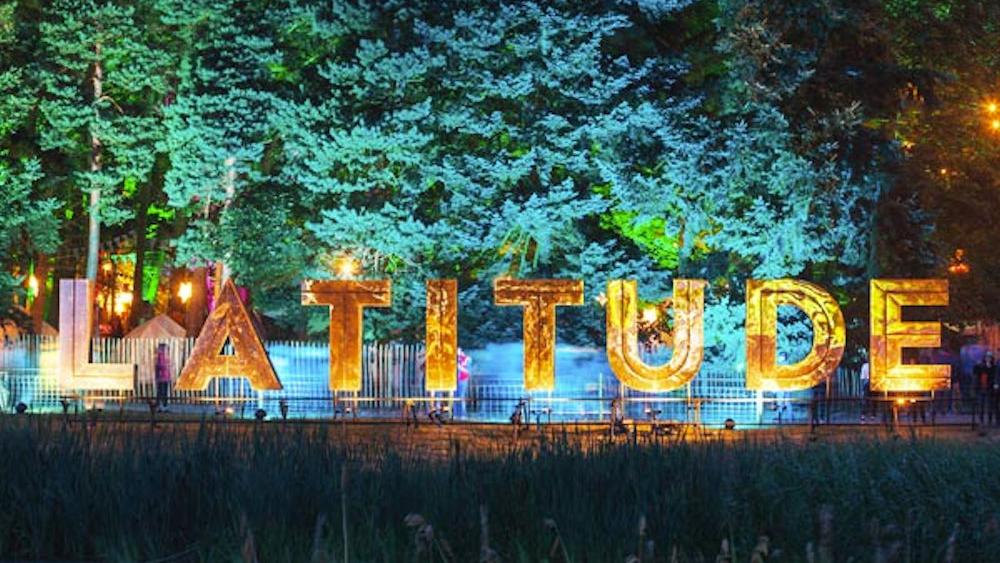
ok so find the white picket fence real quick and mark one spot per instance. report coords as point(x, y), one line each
point(392, 376)
point(28, 374)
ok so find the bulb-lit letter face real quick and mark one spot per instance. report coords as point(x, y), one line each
point(347, 300)
point(623, 336)
point(76, 298)
point(890, 334)
point(829, 335)
point(442, 335)
point(229, 321)
point(539, 298)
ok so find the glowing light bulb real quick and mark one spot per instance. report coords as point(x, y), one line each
point(184, 291)
point(122, 301)
point(958, 263)
point(347, 267)
point(650, 315)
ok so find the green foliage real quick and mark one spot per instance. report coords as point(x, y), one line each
point(217, 128)
point(743, 195)
point(642, 139)
point(946, 55)
point(650, 236)
point(77, 38)
point(27, 223)
point(14, 104)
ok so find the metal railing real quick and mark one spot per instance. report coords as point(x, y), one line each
point(393, 383)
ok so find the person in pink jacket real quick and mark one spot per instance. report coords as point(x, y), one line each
point(461, 394)
point(164, 373)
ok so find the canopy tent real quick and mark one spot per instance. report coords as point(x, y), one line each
point(48, 330)
point(160, 326)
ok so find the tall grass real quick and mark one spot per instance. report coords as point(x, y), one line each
point(125, 493)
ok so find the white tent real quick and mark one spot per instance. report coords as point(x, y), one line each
point(48, 330)
point(160, 326)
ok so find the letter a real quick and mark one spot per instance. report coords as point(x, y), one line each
point(229, 321)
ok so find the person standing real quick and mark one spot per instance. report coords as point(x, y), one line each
point(954, 387)
point(865, 380)
point(965, 385)
point(461, 394)
point(163, 376)
point(818, 402)
point(994, 394)
point(983, 377)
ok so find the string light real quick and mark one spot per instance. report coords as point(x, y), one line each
point(958, 265)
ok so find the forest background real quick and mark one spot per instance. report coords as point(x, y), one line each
point(829, 140)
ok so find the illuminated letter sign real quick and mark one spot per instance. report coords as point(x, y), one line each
point(890, 334)
point(829, 335)
point(347, 300)
point(539, 298)
point(229, 321)
point(442, 335)
point(688, 335)
point(76, 298)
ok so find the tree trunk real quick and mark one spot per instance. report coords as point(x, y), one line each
point(230, 184)
point(94, 233)
point(195, 312)
point(38, 305)
point(872, 263)
point(138, 283)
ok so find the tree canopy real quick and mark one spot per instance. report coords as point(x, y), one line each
point(645, 139)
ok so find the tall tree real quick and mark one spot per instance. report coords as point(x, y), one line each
point(946, 122)
point(219, 140)
point(28, 224)
point(100, 76)
point(477, 142)
point(763, 197)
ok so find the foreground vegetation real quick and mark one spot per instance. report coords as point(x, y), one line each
point(125, 493)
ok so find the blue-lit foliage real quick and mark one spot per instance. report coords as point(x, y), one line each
point(473, 141)
point(644, 139)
